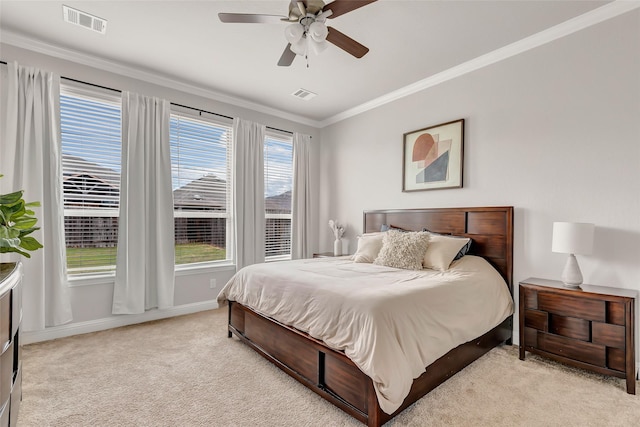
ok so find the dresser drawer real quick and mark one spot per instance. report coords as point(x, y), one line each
point(16, 397)
point(609, 335)
point(5, 319)
point(6, 374)
point(581, 308)
point(4, 413)
point(573, 349)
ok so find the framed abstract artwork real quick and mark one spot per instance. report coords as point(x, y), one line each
point(433, 157)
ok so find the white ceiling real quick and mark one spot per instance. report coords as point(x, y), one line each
point(409, 41)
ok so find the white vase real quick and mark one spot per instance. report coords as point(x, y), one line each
point(337, 247)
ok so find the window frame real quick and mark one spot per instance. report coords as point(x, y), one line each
point(282, 137)
point(198, 115)
point(98, 94)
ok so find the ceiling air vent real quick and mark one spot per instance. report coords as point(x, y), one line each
point(304, 94)
point(83, 19)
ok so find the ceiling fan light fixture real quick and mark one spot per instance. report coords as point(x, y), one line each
point(293, 33)
point(317, 47)
point(299, 47)
point(318, 31)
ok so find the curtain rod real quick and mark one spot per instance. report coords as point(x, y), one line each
point(173, 103)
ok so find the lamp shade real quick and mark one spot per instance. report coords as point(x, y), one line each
point(572, 238)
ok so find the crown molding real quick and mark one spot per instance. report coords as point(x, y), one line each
point(593, 17)
point(22, 41)
point(588, 19)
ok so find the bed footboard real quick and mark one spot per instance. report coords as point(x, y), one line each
point(333, 375)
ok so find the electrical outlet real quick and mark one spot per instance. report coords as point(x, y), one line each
point(212, 284)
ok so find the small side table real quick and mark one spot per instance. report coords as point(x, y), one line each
point(324, 255)
point(590, 327)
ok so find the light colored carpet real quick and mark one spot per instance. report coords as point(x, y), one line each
point(184, 371)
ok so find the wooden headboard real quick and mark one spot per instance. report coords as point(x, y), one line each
point(491, 229)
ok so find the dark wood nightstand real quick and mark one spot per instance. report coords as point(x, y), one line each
point(591, 327)
point(324, 255)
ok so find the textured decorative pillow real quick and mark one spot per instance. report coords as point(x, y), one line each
point(403, 249)
point(369, 246)
point(462, 252)
point(442, 251)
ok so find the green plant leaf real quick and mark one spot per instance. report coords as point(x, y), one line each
point(13, 211)
point(17, 220)
point(10, 242)
point(7, 199)
point(30, 243)
point(26, 231)
point(5, 250)
point(25, 222)
point(8, 232)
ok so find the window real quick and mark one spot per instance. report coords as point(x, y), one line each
point(278, 180)
point(91, 148)
point(200, 168)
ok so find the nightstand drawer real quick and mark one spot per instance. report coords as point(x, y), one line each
point(615, 359)
point(536, 319)
point(570, 327)
point(573, 349)
point(609, 335)
point(573, 307)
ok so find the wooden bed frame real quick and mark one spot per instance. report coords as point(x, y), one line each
point(334, 376)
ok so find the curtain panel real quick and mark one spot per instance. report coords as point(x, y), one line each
point(248, 195)
point(31, 161)
point(301, 198)
point(145, 257)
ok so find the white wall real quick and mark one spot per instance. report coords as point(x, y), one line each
point(554, 132)
point(91, 302)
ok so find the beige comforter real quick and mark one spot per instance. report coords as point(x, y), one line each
point(391, 323)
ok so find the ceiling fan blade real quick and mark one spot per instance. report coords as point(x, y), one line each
point(302, 7)
point(340, 7)
point(346, 43)
point(251, 18)
point(287, 57)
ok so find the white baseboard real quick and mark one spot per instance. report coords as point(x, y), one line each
point(114, 322)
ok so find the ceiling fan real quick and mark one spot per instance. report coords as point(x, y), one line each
point(307, 31)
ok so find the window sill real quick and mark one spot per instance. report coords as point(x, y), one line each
point(181, 270)
point(91, 279)
point(278, 258)
point(187, 269)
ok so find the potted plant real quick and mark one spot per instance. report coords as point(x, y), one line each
point(17, 222)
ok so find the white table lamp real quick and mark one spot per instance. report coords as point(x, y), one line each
point(572, 238)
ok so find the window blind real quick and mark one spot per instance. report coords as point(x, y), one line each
point(278, 171)
point(201, 170)
point(91, 148)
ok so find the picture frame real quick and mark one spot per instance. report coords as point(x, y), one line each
point(433, 157)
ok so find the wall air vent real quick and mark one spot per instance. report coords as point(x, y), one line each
point(83, 19)
point(304, 94)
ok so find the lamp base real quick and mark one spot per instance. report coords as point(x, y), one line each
point(571, 275)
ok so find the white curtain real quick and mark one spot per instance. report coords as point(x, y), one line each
point(31, 161)
point(146, 255)
point(248, 195)
point(301, 198)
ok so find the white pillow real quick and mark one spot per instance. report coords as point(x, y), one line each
point(401, 249)
point(442, 250)
point(369, 246)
